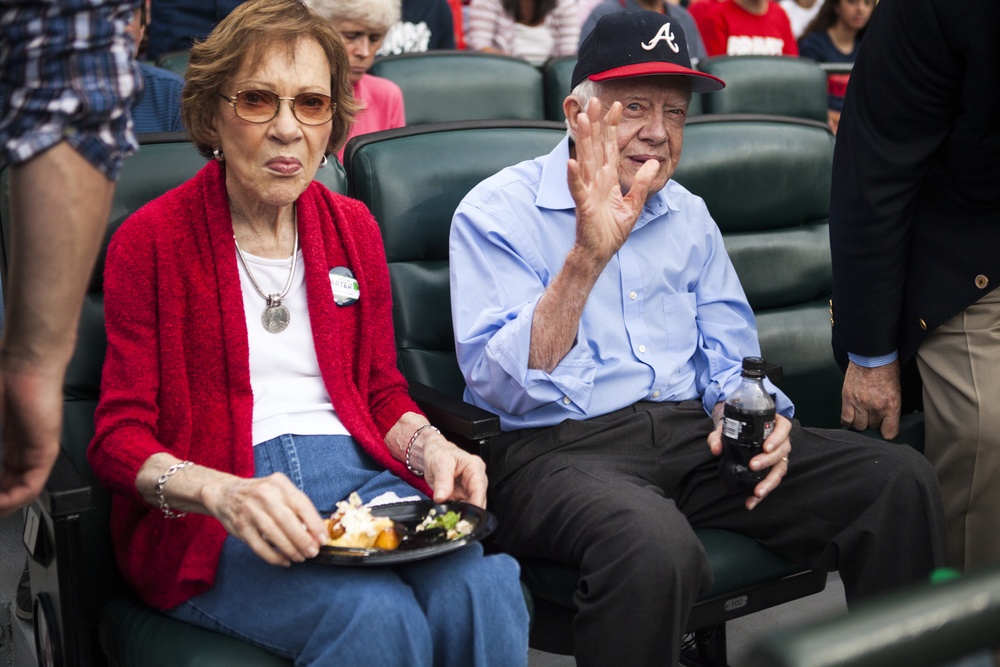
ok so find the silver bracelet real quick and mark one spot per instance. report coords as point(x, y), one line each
point(164, 507)
point(413, 439)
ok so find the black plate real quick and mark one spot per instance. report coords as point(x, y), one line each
point(409, 514)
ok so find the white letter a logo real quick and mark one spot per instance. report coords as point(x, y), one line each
point(665, 35)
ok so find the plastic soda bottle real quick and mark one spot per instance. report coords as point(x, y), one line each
point(748, 418)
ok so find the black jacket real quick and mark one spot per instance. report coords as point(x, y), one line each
point(915, 201)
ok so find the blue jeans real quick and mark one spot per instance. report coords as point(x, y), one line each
point(458, 609)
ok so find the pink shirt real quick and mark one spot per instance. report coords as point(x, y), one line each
point(383, 107)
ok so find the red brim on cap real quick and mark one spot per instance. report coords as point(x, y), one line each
point(700, 81)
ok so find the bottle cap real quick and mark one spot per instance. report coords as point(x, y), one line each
point(754, 366)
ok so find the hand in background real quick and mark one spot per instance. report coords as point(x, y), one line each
point(871, 398)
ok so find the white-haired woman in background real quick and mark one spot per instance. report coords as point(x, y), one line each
point(363, 25)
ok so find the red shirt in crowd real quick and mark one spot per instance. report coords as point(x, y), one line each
point(729, 29)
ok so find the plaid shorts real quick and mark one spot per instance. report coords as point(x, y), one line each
point(67, 73)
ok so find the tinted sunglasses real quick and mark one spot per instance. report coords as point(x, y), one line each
point(260, 106)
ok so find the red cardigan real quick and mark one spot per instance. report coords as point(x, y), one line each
point(177, 377)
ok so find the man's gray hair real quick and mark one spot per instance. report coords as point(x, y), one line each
point(378, 15)
point(583, 92)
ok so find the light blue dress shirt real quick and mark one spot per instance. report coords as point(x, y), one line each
point(667, 320)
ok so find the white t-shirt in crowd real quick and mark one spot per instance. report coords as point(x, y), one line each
point(533, 43)
point(800, 16)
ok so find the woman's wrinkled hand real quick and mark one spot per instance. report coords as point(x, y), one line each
point(453, 473)
point(275, 518)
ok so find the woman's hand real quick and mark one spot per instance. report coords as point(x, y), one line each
point(453, 473)
point(270, 514)
point(450, 471)
point(777, 447)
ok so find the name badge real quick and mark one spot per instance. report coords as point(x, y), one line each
point(345, 288)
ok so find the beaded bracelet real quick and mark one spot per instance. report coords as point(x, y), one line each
point(164, 507)
point(409, 446)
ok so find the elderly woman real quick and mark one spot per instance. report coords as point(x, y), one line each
point(243, 388)
point(363, 25)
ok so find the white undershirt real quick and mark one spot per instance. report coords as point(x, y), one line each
point(288, 391)
point(533, 43)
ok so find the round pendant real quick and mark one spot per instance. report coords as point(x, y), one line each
point(275, 318)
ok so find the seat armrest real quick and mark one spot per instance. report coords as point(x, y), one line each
point(455, 416)
point(774, 373)
point(911, 431)
point(66, 492)
point(923, 625)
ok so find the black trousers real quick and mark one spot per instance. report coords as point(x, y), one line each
point(619, 495)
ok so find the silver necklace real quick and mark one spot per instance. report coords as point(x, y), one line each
point(275, 316)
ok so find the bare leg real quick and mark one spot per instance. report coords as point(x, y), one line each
point(60, 206)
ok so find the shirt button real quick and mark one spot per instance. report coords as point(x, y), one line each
point(642, 348)
point(656, 394)
point(982, 281)
point(566, 400)
point(633, 295)
point(923, 325)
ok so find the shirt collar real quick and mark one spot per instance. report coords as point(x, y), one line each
point(553, 192)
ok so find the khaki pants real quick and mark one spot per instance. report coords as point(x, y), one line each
point(960, 367)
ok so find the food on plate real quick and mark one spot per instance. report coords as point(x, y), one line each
point(451, 521)
point(353, 525)
point(387, 540)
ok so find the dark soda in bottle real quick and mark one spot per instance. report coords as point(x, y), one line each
point(748, 418)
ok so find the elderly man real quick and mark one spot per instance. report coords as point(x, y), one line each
point(596, 311)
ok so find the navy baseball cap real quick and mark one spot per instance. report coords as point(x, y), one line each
point(638, 43)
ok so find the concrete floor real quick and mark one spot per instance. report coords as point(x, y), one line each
point(16, 639)
point(17, 646)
